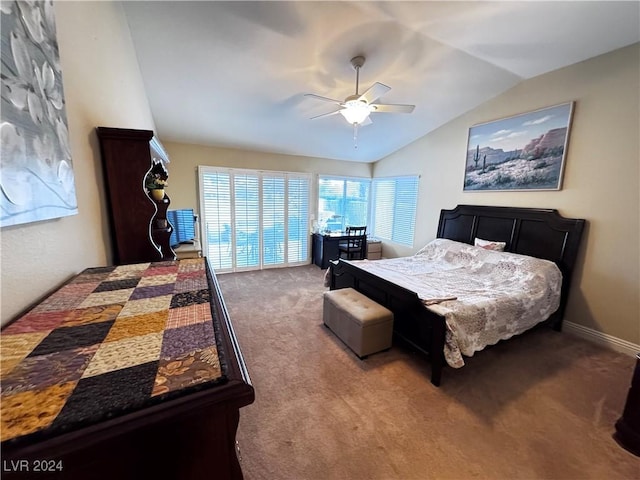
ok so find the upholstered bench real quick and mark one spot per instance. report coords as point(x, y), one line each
point(365, 326)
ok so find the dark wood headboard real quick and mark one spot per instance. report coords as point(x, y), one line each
point(537, 232)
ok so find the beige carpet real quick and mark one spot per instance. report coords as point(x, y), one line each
point(539, 406)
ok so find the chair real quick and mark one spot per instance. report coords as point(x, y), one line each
point(355, 246)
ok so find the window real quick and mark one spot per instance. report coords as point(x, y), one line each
point(394, 203)
point(254, 219)
point(342, 202)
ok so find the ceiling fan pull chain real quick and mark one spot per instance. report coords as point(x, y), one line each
point(355, 135)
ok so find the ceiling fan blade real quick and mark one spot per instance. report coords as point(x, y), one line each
point(324, 99)
point(375, 92)
point(326, 114)
point(382, 108)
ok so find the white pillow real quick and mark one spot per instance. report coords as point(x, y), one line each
point(490, 245)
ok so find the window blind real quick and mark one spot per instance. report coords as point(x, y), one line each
point(394, 202)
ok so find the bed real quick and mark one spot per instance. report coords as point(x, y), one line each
point(538, 233)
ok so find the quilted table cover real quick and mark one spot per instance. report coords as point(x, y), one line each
point(111, 341)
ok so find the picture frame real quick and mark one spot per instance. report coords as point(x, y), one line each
point(37, 181)
point(524, 152)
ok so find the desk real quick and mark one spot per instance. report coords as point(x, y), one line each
point(325, 247)
point(374, 249)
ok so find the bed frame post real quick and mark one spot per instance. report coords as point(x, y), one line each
point(436, 352)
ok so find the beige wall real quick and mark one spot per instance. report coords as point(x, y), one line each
point(601, 181)
point(185, 158)
point(102, 86)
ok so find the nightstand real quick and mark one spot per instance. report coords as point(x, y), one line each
point(374, 249)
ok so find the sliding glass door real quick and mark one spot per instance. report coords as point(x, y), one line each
point(245, 229)
point(254, 219)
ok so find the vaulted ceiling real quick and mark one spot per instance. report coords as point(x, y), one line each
point(235, 74)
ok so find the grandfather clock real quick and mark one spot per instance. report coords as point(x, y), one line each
point(139, 228)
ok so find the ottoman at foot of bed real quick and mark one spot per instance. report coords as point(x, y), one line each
point(362, 324)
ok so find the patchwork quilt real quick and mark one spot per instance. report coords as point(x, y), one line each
point(111, 341)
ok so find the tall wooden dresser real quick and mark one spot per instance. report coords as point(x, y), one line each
point(139, 229)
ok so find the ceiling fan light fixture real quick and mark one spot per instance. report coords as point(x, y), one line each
point(355, 111)
point(356, 108)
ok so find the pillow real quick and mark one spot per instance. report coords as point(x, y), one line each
point(490, 245)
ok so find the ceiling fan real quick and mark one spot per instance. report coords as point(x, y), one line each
point(357, 107)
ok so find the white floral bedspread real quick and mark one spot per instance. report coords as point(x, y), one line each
point(485, 296)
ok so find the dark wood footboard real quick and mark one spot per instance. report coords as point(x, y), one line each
point(412, 323)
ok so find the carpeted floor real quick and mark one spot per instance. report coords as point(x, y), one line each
point(539, 406)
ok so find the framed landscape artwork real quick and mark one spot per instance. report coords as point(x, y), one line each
point(523, 152)
point(36, 172)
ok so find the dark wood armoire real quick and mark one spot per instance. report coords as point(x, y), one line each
point(139, 228)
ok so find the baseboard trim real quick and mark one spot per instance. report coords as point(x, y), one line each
point(600, 338)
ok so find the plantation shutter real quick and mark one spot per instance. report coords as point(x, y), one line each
point(246, 205)
point(254, 219)
point(215, 206)
point(273, 215)
point(298, 214)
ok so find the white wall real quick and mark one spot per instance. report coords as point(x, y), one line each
point(601, 181)
point(103, 87)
